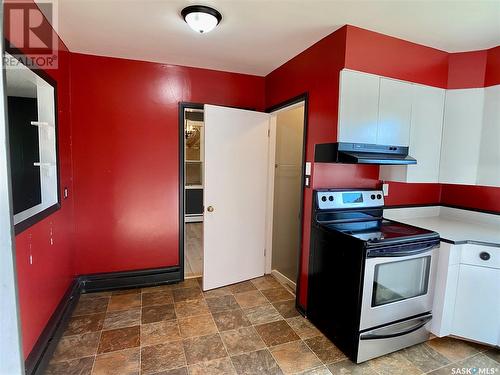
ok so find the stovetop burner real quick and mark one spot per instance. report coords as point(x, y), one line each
point(386, 230)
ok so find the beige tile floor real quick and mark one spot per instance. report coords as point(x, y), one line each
point(247, 328)
point(193, 250)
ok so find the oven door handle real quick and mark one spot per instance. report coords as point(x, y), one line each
point(375, 253)
point(373, 335)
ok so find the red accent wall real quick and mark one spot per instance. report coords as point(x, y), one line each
point(42, 284)
point(401, 193)
point(493, 67)
point(471, 196)
point(467, 69)
point(125, 155)
point(376, 53)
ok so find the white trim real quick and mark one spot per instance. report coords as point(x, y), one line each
point(193, 219)
point(284, 280)
point(270, 194)
point(11, 359)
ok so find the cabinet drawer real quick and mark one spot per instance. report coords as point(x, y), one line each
point(484, 256)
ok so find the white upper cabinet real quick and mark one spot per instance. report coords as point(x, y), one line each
point(453, 134)
point(358, 107)
point(425, 138)
point(488, 172)
point(463, 118)
point(394, 112)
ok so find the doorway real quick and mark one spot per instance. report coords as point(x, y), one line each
point(231, 211)
point(288, 138)
point(193, 191)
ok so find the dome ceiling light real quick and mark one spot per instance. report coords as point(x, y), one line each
point(200, 18)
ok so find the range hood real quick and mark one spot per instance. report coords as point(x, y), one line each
point(362, 153)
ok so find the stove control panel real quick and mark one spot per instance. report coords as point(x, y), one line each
point(341, 199)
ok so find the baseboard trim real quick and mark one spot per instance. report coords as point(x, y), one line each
point(129, 279)
point(42, 351)
point(38, 360)
point(284, 280)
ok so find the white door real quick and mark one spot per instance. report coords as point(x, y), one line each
point(235, 193)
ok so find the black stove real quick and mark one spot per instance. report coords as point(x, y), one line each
point(370, 280)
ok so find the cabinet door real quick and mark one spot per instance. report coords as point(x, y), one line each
point(489, 158)
point(358, 107)
point(394, 114)
point(425, 138)
point(463, 116)
point(477, 305)
point(426, 132)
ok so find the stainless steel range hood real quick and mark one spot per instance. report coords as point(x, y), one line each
point(362, 153)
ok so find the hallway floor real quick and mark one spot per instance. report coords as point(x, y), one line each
point(193, 250)
point(247, 328)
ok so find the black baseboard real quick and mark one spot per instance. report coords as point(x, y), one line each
point(43, 349)
point(40, 355)
point(129, 279)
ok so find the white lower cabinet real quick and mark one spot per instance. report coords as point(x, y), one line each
point(467, 293)
point(477, 305)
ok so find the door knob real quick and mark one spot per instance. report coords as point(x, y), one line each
point(210, 209)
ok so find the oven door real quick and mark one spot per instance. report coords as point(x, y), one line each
point(398, 286)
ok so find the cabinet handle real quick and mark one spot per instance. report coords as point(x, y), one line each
point(484, 255)
point(210, 209)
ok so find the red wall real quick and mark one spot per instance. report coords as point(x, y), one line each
point(42, 284)
point(125, 155)
point(492, 74)
point(472, 196)
point(376, 53)
point(467, 69)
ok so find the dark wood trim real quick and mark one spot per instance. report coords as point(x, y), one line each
point(182, 178)
point(129, 279)
point(297, 99)
point(287, 103)
point(43, 349)
point(32, 220)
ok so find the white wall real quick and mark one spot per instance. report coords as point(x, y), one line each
point(11, 361)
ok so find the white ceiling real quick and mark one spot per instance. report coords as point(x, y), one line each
point(257, 36)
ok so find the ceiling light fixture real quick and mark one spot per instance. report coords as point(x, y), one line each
point(201, 18)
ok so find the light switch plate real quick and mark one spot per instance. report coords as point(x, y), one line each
point(308, 168)
point(385, 189)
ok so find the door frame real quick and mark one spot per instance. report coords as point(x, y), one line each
point(304, 97)
point(182, 179)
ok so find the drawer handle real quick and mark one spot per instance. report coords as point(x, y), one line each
point(484, 255)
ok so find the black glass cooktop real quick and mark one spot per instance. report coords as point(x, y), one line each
point(382, 231)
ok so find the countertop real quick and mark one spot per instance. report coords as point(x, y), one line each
point(453, 225)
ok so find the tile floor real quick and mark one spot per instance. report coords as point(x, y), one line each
point(247, 328)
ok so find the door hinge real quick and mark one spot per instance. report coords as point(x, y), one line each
point(269, 132)
point(265, 252)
